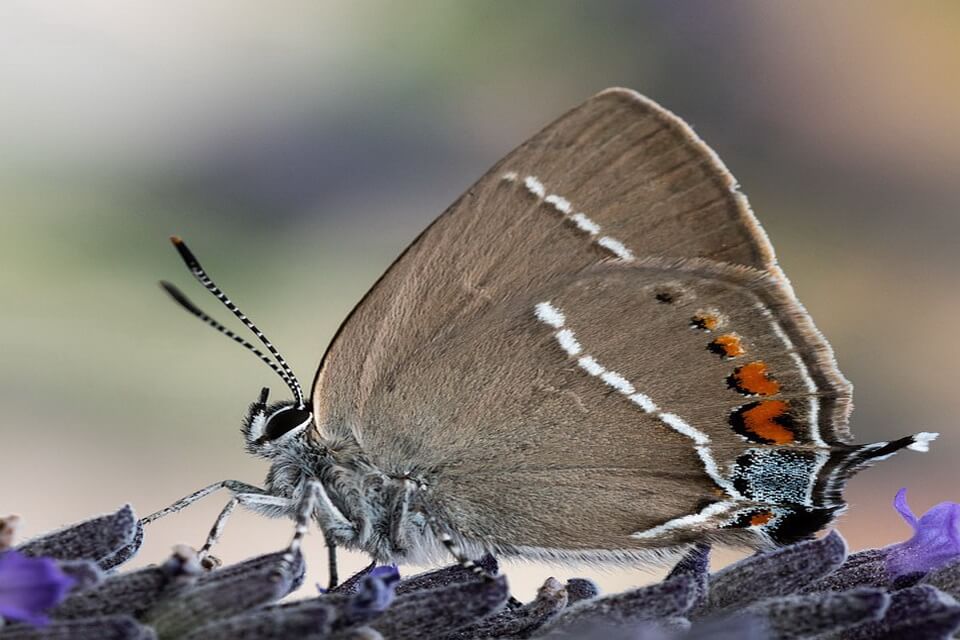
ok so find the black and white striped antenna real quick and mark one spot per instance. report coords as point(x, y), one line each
point(281, 367)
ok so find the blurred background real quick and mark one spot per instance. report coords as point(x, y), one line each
point(300, 146)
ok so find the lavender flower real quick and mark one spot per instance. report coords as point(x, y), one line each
point(810, 589)
point(30, 586)
point(376, 590)
point(935, 541)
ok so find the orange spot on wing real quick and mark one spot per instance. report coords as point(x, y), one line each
point(753, 378)
point(727, 345)
point(706, 320)
point(762, 518)
point(766, 420)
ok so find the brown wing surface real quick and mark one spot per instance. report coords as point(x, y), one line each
point(626, 222)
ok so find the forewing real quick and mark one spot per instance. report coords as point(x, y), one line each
point(615, 178)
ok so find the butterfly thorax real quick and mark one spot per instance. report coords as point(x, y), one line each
point(368, 509)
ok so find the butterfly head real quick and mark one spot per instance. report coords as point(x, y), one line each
point(269, 428)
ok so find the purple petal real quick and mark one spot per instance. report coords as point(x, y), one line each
point(935, 541)
point(30, 586)
point(900, 504)
point(388, 573)
point(352, 584)
point(376, 590)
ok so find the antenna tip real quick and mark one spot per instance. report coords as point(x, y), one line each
point(181, 299)
point(184, 252)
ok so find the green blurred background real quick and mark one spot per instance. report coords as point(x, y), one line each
point(299, 146)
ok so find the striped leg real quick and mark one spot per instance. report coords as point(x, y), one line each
point(441, 531)
point(462, 559)
point(305, 509)
point(336, 527)
point(332, 564)
point(245, 499)
point(235, 486)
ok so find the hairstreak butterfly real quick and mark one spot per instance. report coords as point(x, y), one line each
point(591, 355)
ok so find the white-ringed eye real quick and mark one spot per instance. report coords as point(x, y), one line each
point(285, 420)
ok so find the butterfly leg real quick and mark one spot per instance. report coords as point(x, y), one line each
point(406, 519)
point(462, 558)
point(313, 494)
point(234, 486)
point(334, 525)
point(407, 524)
point(305, 508)
point(332, 563)
point(252, 500)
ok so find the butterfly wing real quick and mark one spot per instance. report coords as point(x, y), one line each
point(605, 417)
point(620, 215)
point(618, 171)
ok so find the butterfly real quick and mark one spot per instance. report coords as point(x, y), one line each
point(591, 355)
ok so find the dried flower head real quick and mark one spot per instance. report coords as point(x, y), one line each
point(812, 589)
point(8, 530)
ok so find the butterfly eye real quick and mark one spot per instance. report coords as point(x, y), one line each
point(284, 421)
